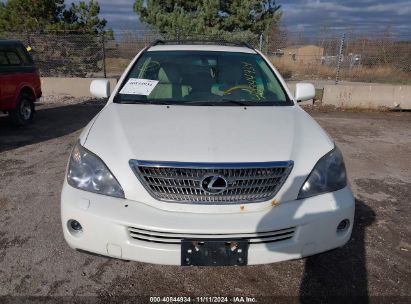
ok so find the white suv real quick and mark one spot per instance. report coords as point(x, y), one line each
point(202, 156)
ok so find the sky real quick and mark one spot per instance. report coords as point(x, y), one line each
point(308, 16)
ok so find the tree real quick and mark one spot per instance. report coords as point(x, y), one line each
point(29, 15)
point(256, 16)
point(84, 17)
point(35, 15)
point(52, 30)
point(209, 17)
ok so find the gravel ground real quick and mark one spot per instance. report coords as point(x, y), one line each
point(36, 261)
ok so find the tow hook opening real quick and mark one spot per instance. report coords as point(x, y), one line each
point(74, 227)
point(343, 226)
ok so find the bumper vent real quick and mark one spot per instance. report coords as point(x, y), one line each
point(212, 183)
point(175, 238)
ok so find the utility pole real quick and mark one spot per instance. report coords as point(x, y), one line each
point(104, 55)
point(261, 42)
point(340, 58)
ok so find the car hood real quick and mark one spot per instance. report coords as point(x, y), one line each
point(205, 134)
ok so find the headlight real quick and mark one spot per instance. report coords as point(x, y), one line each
point(328, 175)
point(87, 171)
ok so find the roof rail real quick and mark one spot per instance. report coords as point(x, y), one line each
point(194, 41)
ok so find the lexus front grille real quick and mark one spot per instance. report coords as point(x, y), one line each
point(212, 183)
point(176, 238)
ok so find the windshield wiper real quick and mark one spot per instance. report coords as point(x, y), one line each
point(218, 103)
point(194, 102)
point(158, 102)
point(199, 102)
point(238, 102)
point(132, 101)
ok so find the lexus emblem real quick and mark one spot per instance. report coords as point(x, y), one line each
point(214, 183)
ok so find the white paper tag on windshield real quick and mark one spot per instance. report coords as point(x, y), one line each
point(136, 86)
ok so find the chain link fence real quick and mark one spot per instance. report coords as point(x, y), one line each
point(335, 57)
point(127, 44)
point(382, 58)
point(64, 54)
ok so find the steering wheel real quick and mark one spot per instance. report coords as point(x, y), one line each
point(242, 87)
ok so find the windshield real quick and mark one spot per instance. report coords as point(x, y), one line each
point(202, 78)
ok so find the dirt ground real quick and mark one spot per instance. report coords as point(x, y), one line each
point(36, 261)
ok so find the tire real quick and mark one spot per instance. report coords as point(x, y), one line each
point(24, 112)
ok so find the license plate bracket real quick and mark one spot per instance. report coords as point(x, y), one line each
point(214, 252)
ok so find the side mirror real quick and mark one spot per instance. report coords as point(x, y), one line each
point(304, 91)
point(100, 88)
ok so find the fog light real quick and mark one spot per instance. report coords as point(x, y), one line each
point(74, 227)
point(343, 225)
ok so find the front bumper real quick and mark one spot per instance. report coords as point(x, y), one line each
point(106, 221)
